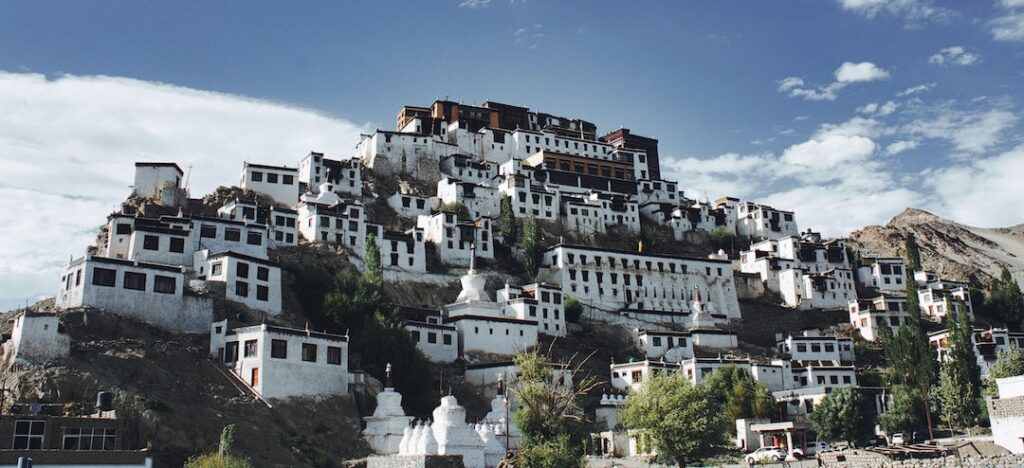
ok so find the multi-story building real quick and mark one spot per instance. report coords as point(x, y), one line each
point(678, 345)
point(869, 315)
point(812, 346)
point(539, 302)
point(988, 343)
point(277, 182)
point(279, 362)
point(597, 212)
point(806, 271)
point(884, 273)
point(158, 181)
point(345, 176)
point(457, 239)
point(936, 296)
point(760, 221)
point(248, 280)
point(479, 200)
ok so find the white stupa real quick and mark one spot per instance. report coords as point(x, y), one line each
point(388, 425)
point(473, 299)
point(700, 318)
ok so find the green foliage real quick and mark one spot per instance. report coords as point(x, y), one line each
point(1009, 363)
point(741, 396)
point(958, 379)
point(222, 458)
point(684, 420)
point(721, 238)
point(840, 416)
point(906, 411)
point(573, 309)
point(376, 333)
point(550, 417)
point(529, 242)
point(459, 209)
point(371, 264)
point(1006, 300)
point(909, 354)
point(913, 254)
point(507, 221)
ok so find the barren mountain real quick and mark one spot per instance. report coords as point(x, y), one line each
point(953, 250)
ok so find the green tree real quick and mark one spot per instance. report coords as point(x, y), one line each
point(458, 208)
point(1009, 363)
point(958, 379)
point(913, 254)
point(1006, 300)
point(371, 264)
point(222, 458)
point(909, 354)
point(508, 220)
point(529, 242)
point(573, 309)
point(721, 238)
point(683, 420)
point(840, 416)
point(906, 411)
point(741, 396)
point(550, 416)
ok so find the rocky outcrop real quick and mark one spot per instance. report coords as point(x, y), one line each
point(953, 250)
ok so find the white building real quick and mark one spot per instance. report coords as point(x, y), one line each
point(988, 343)
point(483, 325)
point(884, 273)
point(868, 315)
point(678, 345)
point(345, 176)
point(658, 287)
point(527, 195)
point(147, 292)
point(480, 200)
point(812, 346)
point(411, 205)
point(439, 342)
point(831, 289)
point(936, 297)
point(456, 239)
point(281, 222)
point(278, 362)
point(596, 212)
point(35, 338)
point(158, 181)
point(760, 221)
point(277, 182)
point(464, 168)
point(806, 271)
point(538, 302)
point(1007, 414)
point(248, 280)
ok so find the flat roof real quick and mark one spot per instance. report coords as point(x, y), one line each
point(629, 252)
point(160, 164)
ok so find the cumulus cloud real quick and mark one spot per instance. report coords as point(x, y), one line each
point(913, 12)
point(1009, 26)
point(983, 192)
point(955, 55)
point(971, 131)
point(69, 144)
point(878, 109)
point(846, 74)
point(900, 146)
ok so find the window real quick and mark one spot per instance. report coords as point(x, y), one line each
point(262, 293)
point(308, 352)
point(88, 438)
point(216, 269)
point(250, 348)
point(334, 355)
point(151, 242)
point(136, 281)
point(279, 349)
point(656, 341)
point(287, 179)
point(104, 277)
point(415, 335)
point(262, 273)
point(241, 289)
point(232, 234)
point(447, 339)
point(254, 238)
point(164, 284)
point(271, 178)
point(123, 228)
point(432, 337)
point(834, 380)
point(242, 270)
point(177, 244)
point(208, 231)
point(29, 434)
point(257, 176)
point(801, 348)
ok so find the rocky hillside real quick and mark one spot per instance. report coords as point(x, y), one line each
point(953, 250)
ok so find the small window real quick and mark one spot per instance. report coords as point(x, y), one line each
point(208, 231)
point(104, 277)
point(262, 273)
point(242, 270)
point(308, 352)
point(257, 176)
point(241, 289)
point(279, 349)
point(250, 348)
point(262, 293)
point(29, 435)
point(136, 281)
point(216, 269)
point(151, 242)
point(123, 228)
point(432, 337)
point(287, 179)
point(271, 178)
point(164, 284)
point(447, 339)
point(177, 244)
point(254, 238)
point(334, 355)
point(232, 234)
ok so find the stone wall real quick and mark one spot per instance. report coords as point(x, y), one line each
point(415, 461)
point(856, 458)
point(749, 285)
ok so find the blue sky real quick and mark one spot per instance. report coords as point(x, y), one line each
point(747, 98)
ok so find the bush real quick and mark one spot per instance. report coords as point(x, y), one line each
point(573, 310)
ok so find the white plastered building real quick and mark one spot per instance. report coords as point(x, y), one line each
point(35, 338)
point(869, 315)
point(277, 182)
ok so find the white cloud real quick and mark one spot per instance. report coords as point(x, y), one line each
point(955, 55)
point(847, 73)
point(983, 192)
point(850, 72)
point(971, 131)
point(475, 4)
point(874, 108)
point(913, 12)
point(900, 146)
point(1009, 27)
point(917, 89)
point(69, 145)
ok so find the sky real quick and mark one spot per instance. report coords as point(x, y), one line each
point(845, 111)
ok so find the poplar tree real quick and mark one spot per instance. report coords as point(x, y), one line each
point(371, 262)
point(1009, 363)
point(528, 243)
point(1006, 300)
point(508, 220)
point(958, 382)
point(913, 254)
point(910, 356)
